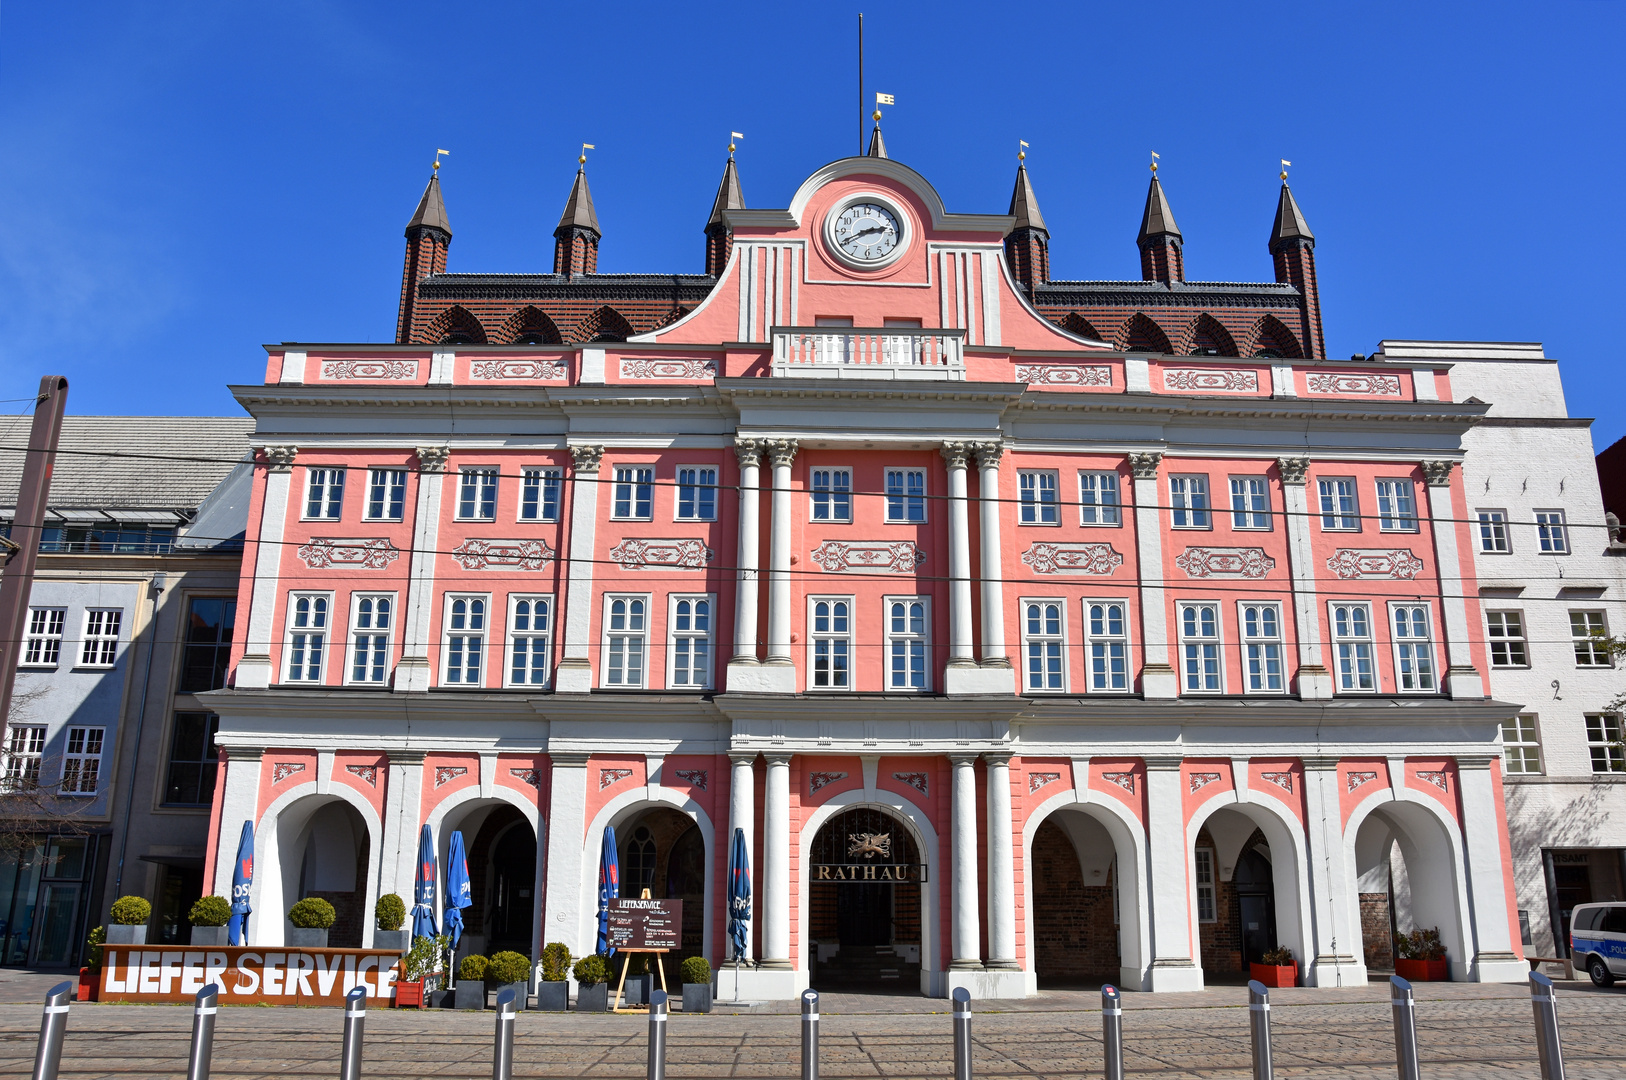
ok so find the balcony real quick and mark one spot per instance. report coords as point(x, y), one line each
point(852, 352)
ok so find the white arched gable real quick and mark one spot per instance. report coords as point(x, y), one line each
point(267, 923)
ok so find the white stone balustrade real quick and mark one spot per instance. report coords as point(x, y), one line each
point(846, 352)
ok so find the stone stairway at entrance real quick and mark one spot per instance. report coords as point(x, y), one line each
point(860, 966)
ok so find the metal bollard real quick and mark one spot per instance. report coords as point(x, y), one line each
point(1259, 1023)
point(810, 1035)
point(1112, 1033)
point(355, 1017)
point(53, 1026)
point(1548, 1047)
point(502, 1055)
point(962, 1033)
point(204, 1007)
point(657, 1036)
point(1405, 1009)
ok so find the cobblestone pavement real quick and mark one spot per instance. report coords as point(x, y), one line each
point(1465, 1030)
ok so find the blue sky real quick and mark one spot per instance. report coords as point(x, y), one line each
point(186, 181)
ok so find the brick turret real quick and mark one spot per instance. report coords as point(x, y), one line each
point(428, 236)
point(1292, 248)
point(719, 237)
point(1159, 239)
point(575, 241)
point(1027, 248)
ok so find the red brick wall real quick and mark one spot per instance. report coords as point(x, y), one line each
point(1074, 936)
point(1377, 941)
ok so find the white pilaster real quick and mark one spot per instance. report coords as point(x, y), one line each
point(1001, 866)
point(777, 675)
point(962, 657)
point(1462, 679)
point(562, 916)
point(255, 669)
point(1314, 680)
point(775, 907)
point(238, 803)
point(742, 803)
point(1176, 964)
point(412, 674)
point(1336, 944)
point(1483, 825)
point(746, 600)
point(1157, 677)
point(965, 946)
point(403, 802)
point(993, 565)
point(575, 672)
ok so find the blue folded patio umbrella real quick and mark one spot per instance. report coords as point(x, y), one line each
point(242, 883)
point(458, 895)
point(423, 908)
point(739, 895)
point(609, 888)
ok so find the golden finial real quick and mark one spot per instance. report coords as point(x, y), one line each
point(732, 137)
point(1285, 165)
point(882, 99)
point(438, 153)
point(1021, 150)
point(1154, 163)
point(586, 146)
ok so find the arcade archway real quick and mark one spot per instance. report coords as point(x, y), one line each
point(663, 850)
point(865, 876)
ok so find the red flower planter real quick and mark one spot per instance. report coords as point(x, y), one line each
point(1274, 975)
point(87, 985)
point(1423, 970)
point(409, 995)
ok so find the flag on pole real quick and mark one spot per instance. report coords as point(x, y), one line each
point(735, 135)
point(884, 99)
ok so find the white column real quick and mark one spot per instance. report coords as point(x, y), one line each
point(1175, 961)
point(959, 545)
point(965, 947)
point(412, 674)
point(254, 670)
point(742, 802)
point(746, 601)
point(1157, 678)
point(1484, 827)
point(775, 907)
point(575, 672)
point(779, 674)
point(1462, 679)
point(1314, 680)
point(239, 803)
point(562, 916)
point(993, 565)
point(403, 801)
point(1001, 866)
point(1332, 954)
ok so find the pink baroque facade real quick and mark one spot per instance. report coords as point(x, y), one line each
point(1014, 656)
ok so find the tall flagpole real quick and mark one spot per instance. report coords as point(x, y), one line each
point(860, 84)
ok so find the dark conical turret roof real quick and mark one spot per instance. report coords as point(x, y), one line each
point(1290, 223)
point(877, 145)
point(579, 208)
point(729, 195)
point(1025, 204)
point(1158, 220)
point(431, 212)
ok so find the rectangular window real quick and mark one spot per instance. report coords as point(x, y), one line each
point(832, 494)
point(465, 639)
point(372, 618)
point(1044, 646)
point(193, 760)
point(1493, 532)
point(1604, 742)
point(907, 643)
point(1551, 535)
point(307, 636)
point(1340, 511)
point(530, 625)
point(1397, 506)
point(207, 652)
point(477, 495)
point(101, 644)
point(691, 627)
point(1098, 498)
point(1352, 641)
point(1200, 648)
point(1250, 502)
point(539, 494)
point(1588, 633)
point(1106, 630)
point(1262, 647)
point(697, 493)
point(831, 642)
point(1038, 497)
point(1414, 651)
point(1188, 495)
point(906, 495)
point(1521, 748)
point(1505, 632)
point(1204, 875)
point(324, 494)
point(634, 492)
point(386, 494)
point(626, 640)
point(43, 645)
point(82, 761)
point(25, 745)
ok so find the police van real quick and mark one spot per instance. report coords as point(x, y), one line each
point(1598, 941)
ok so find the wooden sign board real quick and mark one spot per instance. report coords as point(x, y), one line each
point(275, 976)
point(646, 924)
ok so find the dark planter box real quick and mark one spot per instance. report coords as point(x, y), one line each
point(394, 940)
point(1423, 970)
point(440, 999)
point(636, 991)
point(696, 998)
point(118, 934)
point(552, 996)
point(209, 935)
point(303, 937)
point(470, 994)
point(522, 993)
point(595, 998)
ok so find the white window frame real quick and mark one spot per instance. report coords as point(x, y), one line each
point(826, 496)
point(1521, 745)
point(83, 747)
point(540, 486)
point(1353, 642)
point(25, 753)
point(1494, 538)
point(1247, 515)
point(381, 491)
point(1506, 628)
point(676, 637)
point(907, 638)
point(1093, 508)
point(1339, 511)
point(816, 637)
point(1412, 652)
point(291, 631)
point(696, 491)
point(1596, 655)
point(353, 646)
point(1032, 506)
point(1199, 642)
point(99, 644)
point(1190, 503)
point(483, 632)
point(1050, 647)
point(1104, 642)
point(42, 640)
point(472, 479)
point(1205, 880)
point(902, 505)
point(1397, 507)
point(319, 489)
point(640, 636)
point(1552, 532)
point(514, 635)
point(1603, 739)
point(1256, 647)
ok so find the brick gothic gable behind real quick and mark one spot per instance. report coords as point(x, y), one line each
point(645, 301)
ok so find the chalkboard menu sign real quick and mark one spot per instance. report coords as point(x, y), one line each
point(646, 924)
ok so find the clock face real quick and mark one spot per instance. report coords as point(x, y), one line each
point(866, 232)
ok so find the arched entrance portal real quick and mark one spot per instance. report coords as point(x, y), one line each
point(500, 844)
point(662, 849)
point(1237, 895)
point(1077, 903)
point(1407, 870)
point(865, 878)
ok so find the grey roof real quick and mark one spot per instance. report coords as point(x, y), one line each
point(729, 195)
point(88, 475)
point(1158, 220)
point(1290, 223)
point(877, 145)
point(1025, 204)
point(579, 207)
point(431, 211)
point(222, 518)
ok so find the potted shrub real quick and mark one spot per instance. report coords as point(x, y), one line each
point(592, 984)
point(511, 971)
point(639, 982)
point(418, 968)
point(470, 991)
point(129, 925)
point(209, 917)
point(553, 992)
point(90, 976)
point(1422, 957)
point(1276, 968)
point(696, 985)
point(389, 916)
point(311, 918)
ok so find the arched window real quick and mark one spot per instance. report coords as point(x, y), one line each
point(640, 871)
